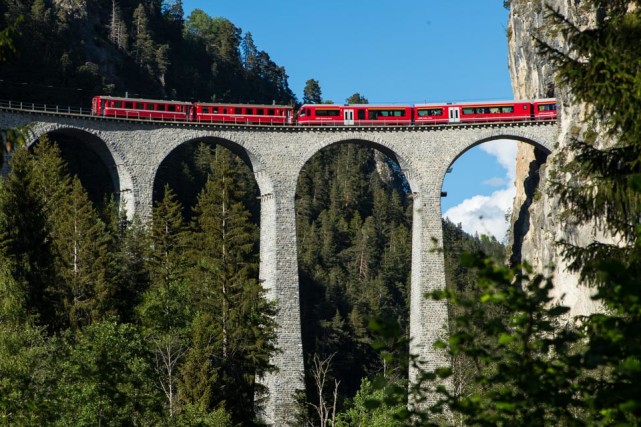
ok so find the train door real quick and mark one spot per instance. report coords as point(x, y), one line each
point(348, 117)
point(455, 114)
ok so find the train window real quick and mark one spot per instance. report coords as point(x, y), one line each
point(308, 112)
point(468, 110)
point(328, 113)
point(238, 110)
point(495, 110)
point(117, 104)
point(361, 114)
point(507, 109)
point(270, 112)
point(260, 111)
point(547, 107)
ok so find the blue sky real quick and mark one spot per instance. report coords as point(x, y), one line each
point(401, 51)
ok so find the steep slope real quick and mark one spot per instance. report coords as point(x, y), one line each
point(538, 223)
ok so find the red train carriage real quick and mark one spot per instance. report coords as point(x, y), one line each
point(240, 113)
point(544, 109)
point(133, 108)
point(334, 114)
point(431, 114)
point(484, 112)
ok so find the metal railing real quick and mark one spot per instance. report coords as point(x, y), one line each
point(32, 106)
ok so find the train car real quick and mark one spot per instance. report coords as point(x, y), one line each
point(544, 109)
point(348, 115)
point(241, 113)
point(431, 114)
point(132, 108)
point(490, 112)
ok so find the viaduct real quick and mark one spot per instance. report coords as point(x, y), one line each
point(133, 151)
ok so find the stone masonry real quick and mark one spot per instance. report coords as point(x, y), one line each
point(134, 150)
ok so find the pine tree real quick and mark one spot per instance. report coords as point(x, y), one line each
point(226, 268)
point(143, 44)
point(165, 308)
point(25, 243)
point(81, 243)
point(601, 70)
point(312, 92)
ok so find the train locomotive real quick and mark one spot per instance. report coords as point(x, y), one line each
point(326, 114)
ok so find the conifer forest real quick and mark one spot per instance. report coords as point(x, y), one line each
point(111, 320)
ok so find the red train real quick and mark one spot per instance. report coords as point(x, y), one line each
point(150, 109)
point(326, 114)
point(426, 114)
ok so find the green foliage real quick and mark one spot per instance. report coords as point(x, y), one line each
point(370, 409)
point(80, 272)
point(242, 337)
point(26, 374)
point(526, 369)
point(354, 254)
point(312, 92)
point(81, 244)
point(356, 98)
point(25, 243)
point(124, 46)
point(105, 378)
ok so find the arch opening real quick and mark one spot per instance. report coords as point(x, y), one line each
point(354, 235)
point(88, 158)
point(185, 171)
point(483, 215)
point(480, 184)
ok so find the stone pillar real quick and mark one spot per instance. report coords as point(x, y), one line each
point(138, 193)
point(428, 318)
point(279, 276)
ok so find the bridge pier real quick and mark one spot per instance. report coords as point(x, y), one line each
point(428, 318)
point(279, 276)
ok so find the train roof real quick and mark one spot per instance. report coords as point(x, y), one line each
point(357, 105)
point(500, 102)
point(229, 104)
point(120, 98)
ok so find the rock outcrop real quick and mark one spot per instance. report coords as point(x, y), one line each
point(538, 222)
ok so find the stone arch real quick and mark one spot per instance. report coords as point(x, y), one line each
point(121, 178)
point(367, 140)
point(473, 139)
point(381, 142)
point(236, 145)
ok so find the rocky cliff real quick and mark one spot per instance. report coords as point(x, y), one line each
point(537, 220)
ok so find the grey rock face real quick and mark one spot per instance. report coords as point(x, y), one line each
point(536, 220)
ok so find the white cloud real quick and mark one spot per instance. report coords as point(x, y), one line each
point(505, 153)
point(495, 182)
point(485, 214)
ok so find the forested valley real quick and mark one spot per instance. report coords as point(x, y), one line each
point(108, 320)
